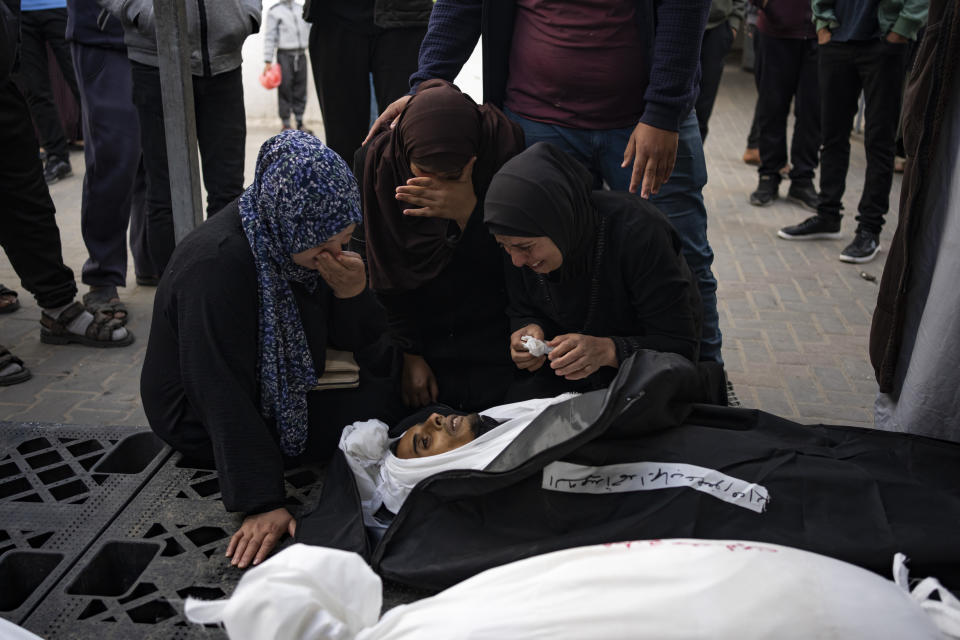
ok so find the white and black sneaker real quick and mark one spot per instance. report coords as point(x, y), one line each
point(864, 248)
point(813, 228)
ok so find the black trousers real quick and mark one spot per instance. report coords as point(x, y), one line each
point(343, 55)
point(37, 30)
point(114, 185)
point(877, 68)
point(292, 92)
point(789, 73)
point(28, 228)
point(753, 138)
point(221, 136)
point(716, 45)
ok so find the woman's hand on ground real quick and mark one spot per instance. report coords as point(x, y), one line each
point(576, 356)
point(653, 153)
point(258, 535)
point(345, 274)
point(519, 354)
point(439, 198)
point(418, 386)
point(389, 115)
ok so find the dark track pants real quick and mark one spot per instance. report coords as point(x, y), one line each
point(114, 186)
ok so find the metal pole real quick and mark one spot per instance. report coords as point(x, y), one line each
point(179, 119)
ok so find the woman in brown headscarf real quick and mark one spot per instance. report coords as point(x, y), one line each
point(431, 262)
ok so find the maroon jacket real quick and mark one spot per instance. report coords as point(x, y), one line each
point(786, 18)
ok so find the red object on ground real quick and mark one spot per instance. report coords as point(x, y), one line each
point(270, 78)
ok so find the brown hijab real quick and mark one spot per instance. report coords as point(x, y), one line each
point(440, 128)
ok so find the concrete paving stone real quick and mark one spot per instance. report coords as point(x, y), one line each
point(136, 417)
point(798, 358)
point(831, 323)
point(788, 292)
point(53, 406)
point(755, 351)
point(731, 333)
point(836, 414)
point(832, 378)
point(805, 331)
point(804, 389)
point(752, 378)
point(88, 376)
point(123, 404)
point(781, 340)
point(8, 409)
point(775, 401)
point(26, 393)
point(91, 416)
point(764, 300)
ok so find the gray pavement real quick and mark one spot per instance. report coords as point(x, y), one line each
point(795, 320)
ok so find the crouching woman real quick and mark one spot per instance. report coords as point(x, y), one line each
point(247, 307)
point(597, 275)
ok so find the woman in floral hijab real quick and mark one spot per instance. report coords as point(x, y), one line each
point(242, 319)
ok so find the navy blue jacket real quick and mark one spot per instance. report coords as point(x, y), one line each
point(673, 31)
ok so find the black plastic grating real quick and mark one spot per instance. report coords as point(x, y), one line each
point(53, 503)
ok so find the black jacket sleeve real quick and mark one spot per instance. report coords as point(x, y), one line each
point(355, 322)
point(660, 290)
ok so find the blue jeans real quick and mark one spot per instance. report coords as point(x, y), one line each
point(680, 199)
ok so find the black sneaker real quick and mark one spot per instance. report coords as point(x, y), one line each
point(813, 228)
point(805, 195)
point(864, 248)
point(56, 169)
point(767, 191)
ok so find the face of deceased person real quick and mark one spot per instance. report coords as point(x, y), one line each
point(334, 246)
point(438, 434)
point(538, 253)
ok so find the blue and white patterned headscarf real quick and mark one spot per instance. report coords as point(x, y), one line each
point(302, 195)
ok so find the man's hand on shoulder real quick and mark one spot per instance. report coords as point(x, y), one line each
point(653, 152)
point(258, 535)
point(389, 115)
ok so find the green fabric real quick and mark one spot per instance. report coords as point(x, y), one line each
point(727, 10)
point(903, 17)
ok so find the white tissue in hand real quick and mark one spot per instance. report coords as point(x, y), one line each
point(535, 347)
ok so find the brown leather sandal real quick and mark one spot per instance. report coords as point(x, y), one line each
point(6, 359)
point(98, 334)
point(13, 305)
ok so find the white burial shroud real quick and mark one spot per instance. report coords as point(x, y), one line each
point(384, 479)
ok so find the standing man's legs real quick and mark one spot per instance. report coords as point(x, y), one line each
point(35, 31)
point(716, 45)
point(805, 144)
point(111, 134)
point(393, 60)
point(778, 80)
point(881, 72)
point(839, 94)
point(148, 99)
point(221, 136)
point(28, 227)
point(681, 200)
point(340, 58)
